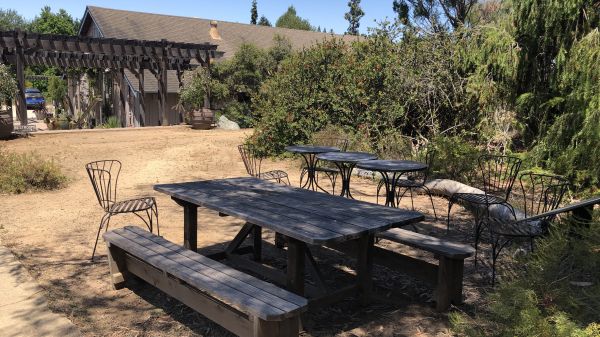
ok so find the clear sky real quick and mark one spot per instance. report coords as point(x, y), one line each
point(325, 13)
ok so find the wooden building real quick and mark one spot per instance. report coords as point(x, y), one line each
point(227, 36)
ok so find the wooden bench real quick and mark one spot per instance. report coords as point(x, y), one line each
point(240, 303)
point(447, 275)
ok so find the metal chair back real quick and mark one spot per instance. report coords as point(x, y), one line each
point(340, 143)
point(251, 161)
point(542, 193)
point(104, 176)
point(426, 157)
point(499, 174)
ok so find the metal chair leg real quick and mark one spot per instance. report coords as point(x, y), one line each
point(450, 204)
point(430, 199)
point(105, 217)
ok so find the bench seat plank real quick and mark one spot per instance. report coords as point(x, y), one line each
point(204, 277)
point(428, 243)
point(249, 280)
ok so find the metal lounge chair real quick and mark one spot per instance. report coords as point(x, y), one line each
point(498, 174)
point(541, 193)
point(253, 163)
point(104, 176)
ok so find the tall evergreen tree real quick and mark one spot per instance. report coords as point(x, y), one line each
point(60, 22)
point(354, 14)
point(290, 19)
point(253, 13)
point(10, 19)
point(264, 21)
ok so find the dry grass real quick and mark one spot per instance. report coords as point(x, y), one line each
point(52, 232)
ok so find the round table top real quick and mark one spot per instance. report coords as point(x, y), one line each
point(392, 165)
point(346, 157)
point(311, 149)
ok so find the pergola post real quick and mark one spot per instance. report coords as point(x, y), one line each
point(20, 70)
point(141, 97)
point(162, 85)
point(122, 96)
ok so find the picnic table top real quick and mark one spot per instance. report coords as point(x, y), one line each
point(308, 216)
point(311, 149)
point(392, 165)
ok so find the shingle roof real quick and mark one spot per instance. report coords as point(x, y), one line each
point(147, 26)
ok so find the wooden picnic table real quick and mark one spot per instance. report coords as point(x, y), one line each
point(305, 217)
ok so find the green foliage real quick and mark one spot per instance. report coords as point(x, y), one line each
point(263, 21)
point(550, 297)
point(455, 158)
point(111, 122)
point(434, 15)
point(571, 145)
point(232, 83)
point(60, 22)
point(57, 89)
point(353, 16)
point(11, 20)
point(253, 13)
point(291, 20)
point(372, 87)
point(8, 84)
point(20, 173)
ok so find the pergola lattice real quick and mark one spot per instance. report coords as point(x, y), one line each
point(29, 49)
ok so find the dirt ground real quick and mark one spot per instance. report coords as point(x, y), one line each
point(52, 233)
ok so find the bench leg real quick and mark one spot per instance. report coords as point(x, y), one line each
point(116, 266)
point(287, 328)
point(450, 282)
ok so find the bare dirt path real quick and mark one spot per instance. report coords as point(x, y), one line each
point(52, 234)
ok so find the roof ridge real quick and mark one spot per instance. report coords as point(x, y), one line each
point(225, 21)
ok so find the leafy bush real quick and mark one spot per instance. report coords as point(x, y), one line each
point(549, 297)
point(20, 173)
point(8, 85)
point(111, 122)
point(373, 88)
point(456, 158)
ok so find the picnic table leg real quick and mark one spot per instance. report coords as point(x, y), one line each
point(364, 268)
point(257, 243)
point(295, 266)
point(190, 224)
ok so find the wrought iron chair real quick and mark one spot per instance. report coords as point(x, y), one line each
point(540, 193)
point(498, 174)
point(104, 176)
point(328, 169)
point(253, 163)
point(414, 181)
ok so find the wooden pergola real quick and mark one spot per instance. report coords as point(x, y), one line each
point(29, 49)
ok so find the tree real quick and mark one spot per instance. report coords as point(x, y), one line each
point(434, 15)
point(355, 13)
point(291, 20)
point(8, 85)
point(54, 23)
point(10, 20)
point(264, 21)
point(253, 13)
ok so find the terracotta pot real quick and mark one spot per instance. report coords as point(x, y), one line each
point(203, 119)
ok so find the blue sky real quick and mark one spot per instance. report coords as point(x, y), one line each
point(324, 13)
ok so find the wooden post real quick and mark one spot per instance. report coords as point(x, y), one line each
point(190, 224)
point(162, 86)
point(449, 284)
point(364, 266)
point(257, 243)
point(286, 328)
point(20, 70)
point(295, 266)
point(122, 97)
point(116, 266)
point(142, 97)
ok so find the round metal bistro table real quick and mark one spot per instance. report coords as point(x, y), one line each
point(391, 171)
point(345, 162)
point(309, 153)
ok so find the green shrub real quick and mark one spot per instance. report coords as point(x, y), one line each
point(456, 158)
point(547, 297)
point(20, 173)
point(111, 122)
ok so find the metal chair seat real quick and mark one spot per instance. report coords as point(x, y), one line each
point(480, 199)
point(132, 205)
point(409, 183)
point(273, 175)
